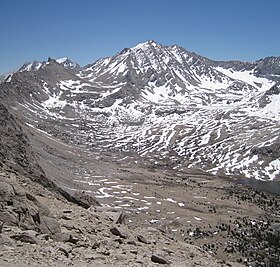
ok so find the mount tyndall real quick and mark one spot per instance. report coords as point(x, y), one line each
point(155, 156)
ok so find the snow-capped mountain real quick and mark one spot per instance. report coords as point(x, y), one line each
point(68, 64)
point(31, 66)
point(160, 106)
point(36, 65)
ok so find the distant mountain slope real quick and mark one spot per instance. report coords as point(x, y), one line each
point(159, 105)
point(36, 65)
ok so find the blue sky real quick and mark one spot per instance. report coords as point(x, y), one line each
point(85, 30)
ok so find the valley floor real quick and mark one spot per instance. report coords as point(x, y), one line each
point(223, 219)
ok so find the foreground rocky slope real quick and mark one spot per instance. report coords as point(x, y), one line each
point(15, 149)
point(78, 237)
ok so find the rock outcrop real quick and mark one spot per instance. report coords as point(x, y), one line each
point(16, 151)
point(20, 208)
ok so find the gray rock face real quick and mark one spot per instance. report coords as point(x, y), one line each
point(86, 200)
point(159, 259)
point(64, 248)
point(266, 98)
point(20, 208)
point(118, 232)
point(6, 240)
point(26, 237)
point(267, 151)
point(7, 193)
point(49, 225)
point(8, 217)
point(116, 217)
point(15, 148)
point(24, 211)
point(1, 227)
point(80, 198)
point(142, 239)
point(268, 66)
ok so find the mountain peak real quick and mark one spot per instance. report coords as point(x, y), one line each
point(31, 66)
point(146, 45)
point(62, 60)
point(67, 63)
point(36, 65)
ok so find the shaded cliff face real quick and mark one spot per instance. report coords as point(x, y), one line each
point(15, 149)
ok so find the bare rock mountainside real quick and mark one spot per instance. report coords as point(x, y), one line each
point(162, 103)
point(155, 156)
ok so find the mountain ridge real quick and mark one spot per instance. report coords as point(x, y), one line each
point(216, 62)
point(151, 85)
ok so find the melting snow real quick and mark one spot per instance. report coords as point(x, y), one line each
point(259, 83)
point(170, 200)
